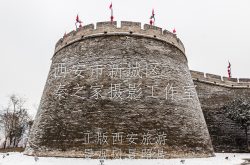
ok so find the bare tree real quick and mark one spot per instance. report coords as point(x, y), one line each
point(239, 111)
point(14, 120)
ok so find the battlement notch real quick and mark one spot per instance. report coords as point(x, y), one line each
point(127, 27)
point(219, 80)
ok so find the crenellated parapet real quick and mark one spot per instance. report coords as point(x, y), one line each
point(220, 80)
point(127, 28)
point(108, 81)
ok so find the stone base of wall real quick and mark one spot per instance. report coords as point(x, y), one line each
point(124, 155)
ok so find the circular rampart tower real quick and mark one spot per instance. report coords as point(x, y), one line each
point(120, 92)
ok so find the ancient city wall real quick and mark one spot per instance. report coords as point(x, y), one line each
point(220, 80)
point(119, 92)
point(126, 28)
point(68, 115)
point(214, 92)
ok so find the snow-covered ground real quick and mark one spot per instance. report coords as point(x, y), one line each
point(15, 158)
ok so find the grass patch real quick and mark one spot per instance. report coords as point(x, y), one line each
point(17, 149)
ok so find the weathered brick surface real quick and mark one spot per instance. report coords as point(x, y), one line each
point(126, 27)
point(226, 135)
point(62, 120)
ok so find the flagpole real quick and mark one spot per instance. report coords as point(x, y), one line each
point(76, 25)
point(78, 21)
point(152, 17)
point(229, 70)
point(111, 10)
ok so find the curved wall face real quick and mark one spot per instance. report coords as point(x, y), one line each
point(116, 96)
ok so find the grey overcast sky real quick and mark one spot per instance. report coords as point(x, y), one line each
point(213, 32)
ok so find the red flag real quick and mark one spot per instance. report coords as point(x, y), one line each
point(174, 31)
point(78, 20)
point(152, 17)
point(111, 9)
point(229, 70)
point(151, 22)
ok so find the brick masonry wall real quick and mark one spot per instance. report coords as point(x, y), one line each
point(150, 93)
point(226, 135)
point(127, 27)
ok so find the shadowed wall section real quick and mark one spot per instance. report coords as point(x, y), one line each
point(214, 92)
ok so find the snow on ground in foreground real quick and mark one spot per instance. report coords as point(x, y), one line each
point(15, 158)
